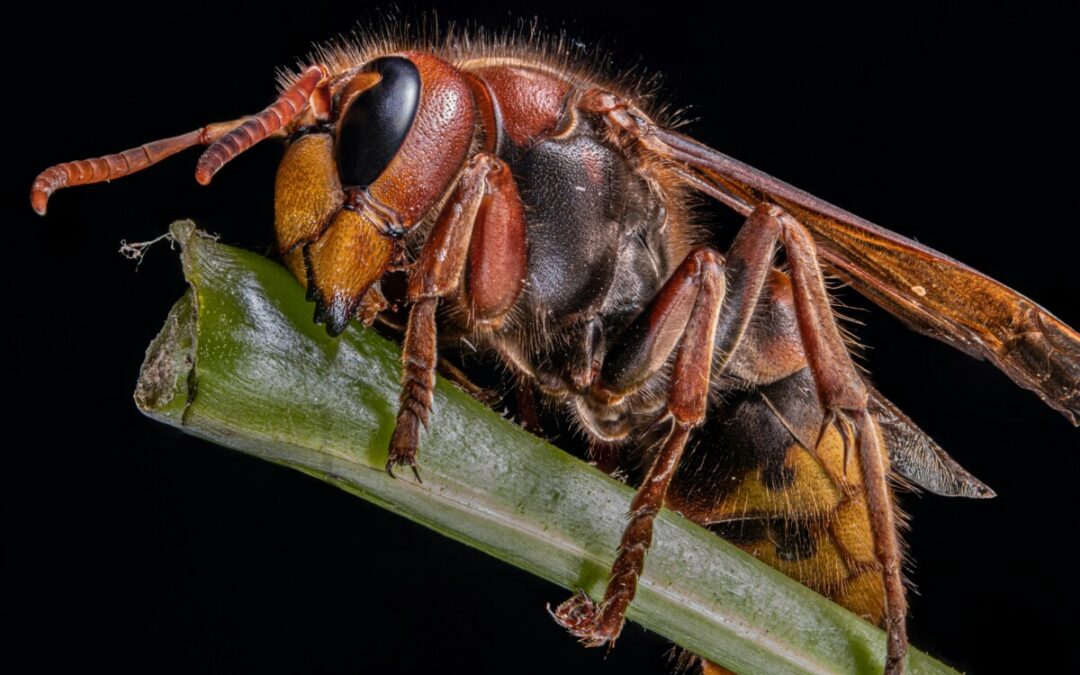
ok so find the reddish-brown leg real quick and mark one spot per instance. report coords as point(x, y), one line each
point(841, 390)
point(644, 349)
point(843, 393)
point(483, 219)
point(636, 359)
point(687, 308)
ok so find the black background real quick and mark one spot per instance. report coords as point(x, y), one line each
point(128, 544)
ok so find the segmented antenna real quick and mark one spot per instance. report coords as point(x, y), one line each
point(98, 169)
point(260, 125)
point(226, 140)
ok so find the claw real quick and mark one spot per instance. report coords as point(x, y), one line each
point(843, 427)
point(848, 437)
point(830, 417)
point(576, 614)
point(403, 460)
point(584, 619)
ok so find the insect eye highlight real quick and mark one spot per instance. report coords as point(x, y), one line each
point(374, 126)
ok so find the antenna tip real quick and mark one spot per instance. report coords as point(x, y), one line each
point(39, 199)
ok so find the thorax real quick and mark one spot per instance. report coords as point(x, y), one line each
point(599, 226)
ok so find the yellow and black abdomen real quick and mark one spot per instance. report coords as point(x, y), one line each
point(759, 475)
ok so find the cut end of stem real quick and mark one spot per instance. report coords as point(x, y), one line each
point(167, 378)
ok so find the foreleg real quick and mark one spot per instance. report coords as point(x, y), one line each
point(482, 229)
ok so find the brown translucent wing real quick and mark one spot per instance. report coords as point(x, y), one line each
point(931, 292)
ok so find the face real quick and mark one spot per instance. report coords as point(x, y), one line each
point(182, 539)
point(365, 169)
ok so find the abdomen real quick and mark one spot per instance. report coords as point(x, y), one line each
point(757, 475)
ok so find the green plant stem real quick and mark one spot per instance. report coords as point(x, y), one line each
point(239, 362)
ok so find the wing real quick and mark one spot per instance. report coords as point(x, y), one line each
point(929, 291)
point(916, 457)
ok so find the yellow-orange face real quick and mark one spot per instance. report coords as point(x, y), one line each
point(395, 136)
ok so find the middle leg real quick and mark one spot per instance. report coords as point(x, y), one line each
point(704, 309)
point(683, 315)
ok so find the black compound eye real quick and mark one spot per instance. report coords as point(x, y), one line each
point(373, 128)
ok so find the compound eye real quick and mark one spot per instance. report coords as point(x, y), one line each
point(372, 129)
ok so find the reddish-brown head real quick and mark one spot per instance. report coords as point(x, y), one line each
point(372, 149)
point(396, 137)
